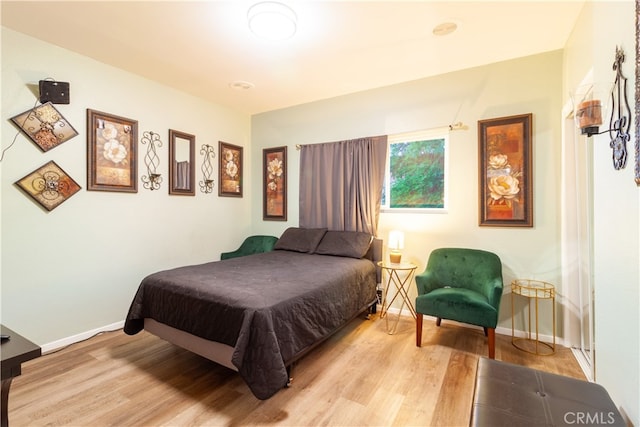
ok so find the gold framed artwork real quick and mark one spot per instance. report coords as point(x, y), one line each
point(274, 184)
point(505, 171)
point(45, 126)
point(229, 170)
point(48, 185)
point(112, 163)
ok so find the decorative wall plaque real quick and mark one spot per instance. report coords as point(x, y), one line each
point(49, 185)
point(45, 126)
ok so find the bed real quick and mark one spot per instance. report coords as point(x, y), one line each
point(258, 314)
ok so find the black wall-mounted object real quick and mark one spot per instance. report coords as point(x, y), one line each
point(54, 92)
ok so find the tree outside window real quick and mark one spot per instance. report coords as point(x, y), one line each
point(416, 172)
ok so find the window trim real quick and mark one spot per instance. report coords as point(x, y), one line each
point(437, 133)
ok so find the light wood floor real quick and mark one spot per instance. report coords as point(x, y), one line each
point(361, 376)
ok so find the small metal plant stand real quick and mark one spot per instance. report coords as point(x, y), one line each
point(535, 291)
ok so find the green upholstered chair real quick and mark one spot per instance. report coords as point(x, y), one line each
point(252, 245)
point(464, 285)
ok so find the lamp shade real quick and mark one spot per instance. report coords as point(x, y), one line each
point(396, 240)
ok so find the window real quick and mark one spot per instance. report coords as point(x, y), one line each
point(416, 172)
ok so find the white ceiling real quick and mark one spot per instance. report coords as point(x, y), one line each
point(341, 47)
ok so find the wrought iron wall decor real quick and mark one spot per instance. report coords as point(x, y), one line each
point(620, 121)
point(208, 154)
point(152, 180)
point(48, 185)
point(45, 126)
point(590, 108)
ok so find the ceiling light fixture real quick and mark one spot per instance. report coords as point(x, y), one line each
point(445, 28)
point(241, 85)
point(272, 20)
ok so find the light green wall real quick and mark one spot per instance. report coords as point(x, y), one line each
point(616, 207)
point(539, 84)
point(527, 85)
point(77, 267)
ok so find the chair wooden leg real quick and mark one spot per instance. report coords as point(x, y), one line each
point(492, 342)
point(486, 333)
point(419, 329)
point(438, 321)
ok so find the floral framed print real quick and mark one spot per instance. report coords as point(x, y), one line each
point(45, 126)
point(229, 170)
point(505, 172)
point(112, 163)
point(274, 184)
point(48, 185)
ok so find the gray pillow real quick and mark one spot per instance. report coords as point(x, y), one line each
point(353, 244)
point(300, 239)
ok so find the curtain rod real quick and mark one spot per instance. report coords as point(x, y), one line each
point(451, 127)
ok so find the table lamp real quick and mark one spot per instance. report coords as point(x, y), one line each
point(396, 242)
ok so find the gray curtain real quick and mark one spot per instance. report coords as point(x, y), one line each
point(341, 184)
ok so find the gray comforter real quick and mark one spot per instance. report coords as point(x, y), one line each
point(270, 307)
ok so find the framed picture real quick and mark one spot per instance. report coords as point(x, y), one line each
point(45, 126)
point(112, 163)
point(274, 184)
point(229, 170)
point(48, 185)
point(505, 172)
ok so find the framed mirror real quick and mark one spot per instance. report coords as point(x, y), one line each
point(182, 172)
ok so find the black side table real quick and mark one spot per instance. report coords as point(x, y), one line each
point(14, 351)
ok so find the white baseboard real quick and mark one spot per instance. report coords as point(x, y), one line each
point(499, 330)
point(64, 342)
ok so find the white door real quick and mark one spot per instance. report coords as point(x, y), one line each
point(577, 246)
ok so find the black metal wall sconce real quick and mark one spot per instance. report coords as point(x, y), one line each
point(208, 153)
point(590, 109)
point(152, 180)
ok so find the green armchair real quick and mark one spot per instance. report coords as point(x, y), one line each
point(252, 245)
point(464, 285)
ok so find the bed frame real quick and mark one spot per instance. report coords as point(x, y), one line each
point(222, 353)
point(212, 350)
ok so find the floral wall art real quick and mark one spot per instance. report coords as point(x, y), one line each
point(274, 184)
point(111, 153)
point(505, 193)
point(230, 170)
